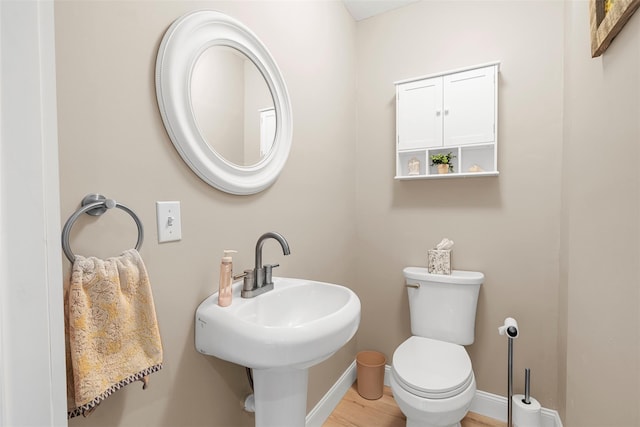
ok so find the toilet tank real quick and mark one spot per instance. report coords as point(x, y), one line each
point(443, 307)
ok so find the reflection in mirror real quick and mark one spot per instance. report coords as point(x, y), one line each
point(232, 105)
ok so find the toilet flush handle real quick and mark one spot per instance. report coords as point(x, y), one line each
point(413, 285)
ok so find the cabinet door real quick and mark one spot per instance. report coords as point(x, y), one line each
point(469, 107)
point(419, 115)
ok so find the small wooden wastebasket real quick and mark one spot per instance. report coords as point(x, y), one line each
point(370, 367)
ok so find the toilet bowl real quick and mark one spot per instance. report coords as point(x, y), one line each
point(431, 377)
point(432, 382)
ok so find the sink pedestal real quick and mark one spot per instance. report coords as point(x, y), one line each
point(281, 397)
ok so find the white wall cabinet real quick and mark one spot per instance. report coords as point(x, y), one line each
point(454, 112)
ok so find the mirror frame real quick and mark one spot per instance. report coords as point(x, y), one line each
point(183, 43)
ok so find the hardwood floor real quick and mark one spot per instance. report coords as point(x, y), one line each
point(355, 411)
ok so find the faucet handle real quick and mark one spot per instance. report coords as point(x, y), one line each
point(240, 276)
point(247, 285)
point(268, 279)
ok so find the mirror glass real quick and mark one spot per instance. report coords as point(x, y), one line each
point(232, 105)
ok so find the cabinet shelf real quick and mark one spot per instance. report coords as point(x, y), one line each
point(448, 112)
point(447, 175)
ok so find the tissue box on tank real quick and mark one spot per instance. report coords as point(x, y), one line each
point(439, 261)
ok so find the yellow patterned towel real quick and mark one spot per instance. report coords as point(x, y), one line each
point(111, 329)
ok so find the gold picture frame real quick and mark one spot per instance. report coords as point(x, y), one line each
point(607, 17)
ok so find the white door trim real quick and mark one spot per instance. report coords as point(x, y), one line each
point(32, 365)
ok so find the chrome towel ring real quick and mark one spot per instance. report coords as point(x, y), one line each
point(96, 204)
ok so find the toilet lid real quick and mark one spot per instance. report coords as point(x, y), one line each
point(432, 369)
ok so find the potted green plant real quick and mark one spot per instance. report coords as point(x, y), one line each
point(443, 161)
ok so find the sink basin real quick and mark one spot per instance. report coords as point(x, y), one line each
point(297, 324)
point(279, 334)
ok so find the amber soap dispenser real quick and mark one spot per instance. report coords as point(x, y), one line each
point(226, 278)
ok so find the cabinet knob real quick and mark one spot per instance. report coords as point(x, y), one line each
point(438, 113)
point(446, 112)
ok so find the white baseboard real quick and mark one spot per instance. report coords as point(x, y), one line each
point(330, 400)
point(487, 404)
point(494, 406)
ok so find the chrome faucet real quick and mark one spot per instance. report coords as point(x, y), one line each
point(260, 280)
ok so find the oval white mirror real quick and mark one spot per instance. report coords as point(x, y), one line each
point(236, 140)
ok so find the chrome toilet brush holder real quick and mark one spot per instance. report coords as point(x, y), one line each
point(510, 329)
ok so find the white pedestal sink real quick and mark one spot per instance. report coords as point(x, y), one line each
point(279, 334)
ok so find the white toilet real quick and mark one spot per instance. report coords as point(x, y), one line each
point(431, 377)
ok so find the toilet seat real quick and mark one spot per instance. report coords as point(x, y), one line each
point(432, 369)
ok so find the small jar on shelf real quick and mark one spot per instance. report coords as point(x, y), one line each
point(411, 164)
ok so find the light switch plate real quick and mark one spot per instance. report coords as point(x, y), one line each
point(169, 221)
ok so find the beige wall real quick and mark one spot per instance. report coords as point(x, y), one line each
point(601, 278)
point(506, 227)
point(112, 141)
point(541, 231)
